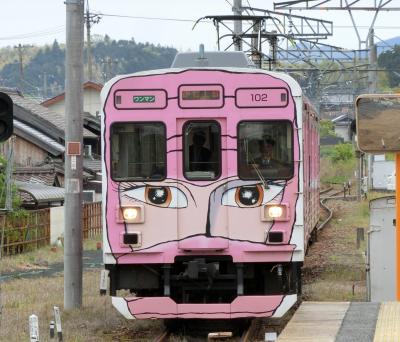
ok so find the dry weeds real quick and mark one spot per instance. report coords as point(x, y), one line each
point(334, 269)
point(96, 321)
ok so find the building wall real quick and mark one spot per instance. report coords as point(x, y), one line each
point(343, 132)
point(91, 103)
point(25, 153)
point(56, 224)
point(58, 107)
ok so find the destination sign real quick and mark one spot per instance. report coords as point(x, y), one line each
point(144, 99)
point(140, 99)
point(261, 97)
point(201, 96)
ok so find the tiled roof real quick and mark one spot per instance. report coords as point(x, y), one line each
point(38, 138)
point(42, 112)
point(92, 165)
point(42, 175)
point(35, 193)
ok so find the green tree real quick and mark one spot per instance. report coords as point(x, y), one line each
point(16, 200)
point(327, 127)
point(342, 152)
point(390, 60)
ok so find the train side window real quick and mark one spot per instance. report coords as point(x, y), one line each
point(202, 150)
point(265, 150)
point(138, 151)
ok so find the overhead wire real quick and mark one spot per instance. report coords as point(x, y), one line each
point(40, 33)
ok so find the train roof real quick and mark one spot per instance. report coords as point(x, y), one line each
point(232, 61)
point(213, 59)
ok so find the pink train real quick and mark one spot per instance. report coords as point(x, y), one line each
point(211, 189)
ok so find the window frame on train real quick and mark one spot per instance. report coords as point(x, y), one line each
point(185, 150)
point(163, 133)
point(241, 152)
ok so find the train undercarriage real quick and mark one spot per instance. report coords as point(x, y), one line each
point(206, 279)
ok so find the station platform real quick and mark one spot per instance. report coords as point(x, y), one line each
point(344, 322)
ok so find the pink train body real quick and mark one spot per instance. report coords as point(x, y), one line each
point(199, 241)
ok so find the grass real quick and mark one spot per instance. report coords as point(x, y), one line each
point(334, 269)
point(96, 321)
point(41, 257)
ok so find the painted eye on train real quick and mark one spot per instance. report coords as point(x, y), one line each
point(250, 196)
point(160, 196)
point(244, 196)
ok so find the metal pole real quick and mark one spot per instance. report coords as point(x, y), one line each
point(73, 155)
point(237, 24)
point(398, 226)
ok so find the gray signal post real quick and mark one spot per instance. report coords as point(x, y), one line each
point(73, 155)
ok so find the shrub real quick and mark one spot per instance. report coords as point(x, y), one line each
point(342, 152)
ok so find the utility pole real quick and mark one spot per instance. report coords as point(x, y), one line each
point(73, 155)
point(255, 44)
point(90, 19)
point(45, 85)
point(21, 67)
point(373, 57)
point(88, 45)
point(237, 25)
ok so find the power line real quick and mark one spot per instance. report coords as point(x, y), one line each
point(145, 18)
point(44, 32)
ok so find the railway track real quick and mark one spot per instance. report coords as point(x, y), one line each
point(248, 334)
point(325, 195)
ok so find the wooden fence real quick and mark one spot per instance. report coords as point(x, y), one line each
point(31, 231)
point(91, 220)
point(25, 233)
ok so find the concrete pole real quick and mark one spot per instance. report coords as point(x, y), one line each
point(45, 85)
point(73, 155)
point(237, 24)
point(255, 52)
point(373, 58)
point(88, 46)
point(21, 68)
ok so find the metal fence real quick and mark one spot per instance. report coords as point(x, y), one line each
point(26, 232)
point(32, 230)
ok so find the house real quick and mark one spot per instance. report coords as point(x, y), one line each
point(91, 100)
point(38, 152)
point(343, 126)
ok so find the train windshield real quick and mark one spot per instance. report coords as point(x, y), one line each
point(265, 149)
point(202, 150)
point(138, 151)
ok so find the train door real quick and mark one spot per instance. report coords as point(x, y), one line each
point(202, 166)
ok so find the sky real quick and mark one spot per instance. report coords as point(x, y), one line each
point(39, 22)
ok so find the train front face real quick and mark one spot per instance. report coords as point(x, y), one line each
point(202, 176)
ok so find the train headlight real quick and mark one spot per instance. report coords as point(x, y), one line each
point(130, 214)
point(275, 212)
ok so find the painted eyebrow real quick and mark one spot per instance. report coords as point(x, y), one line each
point(125, 188)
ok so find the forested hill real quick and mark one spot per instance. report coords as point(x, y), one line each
point(43, 74)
